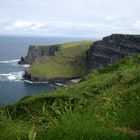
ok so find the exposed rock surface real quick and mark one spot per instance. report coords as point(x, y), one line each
point(28, 76)
point(35, 52)
point(101, 53)
point(111, 49)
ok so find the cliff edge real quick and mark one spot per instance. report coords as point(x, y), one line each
point(57, 63)
point(75, 59)
point(111, 49)
point(35, 52)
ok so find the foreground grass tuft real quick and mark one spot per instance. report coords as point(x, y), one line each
point(13, 129)
point(104, 106)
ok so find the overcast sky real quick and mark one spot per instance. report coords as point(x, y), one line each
point(80, 18)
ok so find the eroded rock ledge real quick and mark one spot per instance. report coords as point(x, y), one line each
point(28, 76)
point(111, 49)
point(35, 52)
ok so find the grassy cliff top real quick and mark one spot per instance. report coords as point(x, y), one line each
point(104, 106)
point(68, 62)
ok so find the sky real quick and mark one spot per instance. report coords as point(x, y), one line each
point(70, 18)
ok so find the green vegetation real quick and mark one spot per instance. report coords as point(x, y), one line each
point(104, 106)
point(68, 62)
point(135, 35)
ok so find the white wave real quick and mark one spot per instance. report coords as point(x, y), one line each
point(61, 85)
point(31, 82)
point(13, 76)
point(26, 65)
point(23, 65)
point(5, 74)
point(9, 61)
point(28, 81)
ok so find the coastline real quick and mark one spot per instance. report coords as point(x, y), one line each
point(31, 79)
point(70, 58)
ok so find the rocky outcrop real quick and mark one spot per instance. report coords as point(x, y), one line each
point(111, 49)
point(29, 77)
point(35, 52)
point(101, 53)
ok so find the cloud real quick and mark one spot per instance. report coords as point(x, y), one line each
point(38, 26)
point(137, 24)
point(67, 27)
point(28, 25)
point(80, 17)
point(23, 25)
point(109, 18)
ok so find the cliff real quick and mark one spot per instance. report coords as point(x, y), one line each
point(111, 49)
point(35, 52)
point(70, 60)
point(66, 61)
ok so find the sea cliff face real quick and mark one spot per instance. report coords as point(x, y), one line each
point(35, 52)
point(99, 54)
point(111, 49)
point(57, 63)
point(64, 80)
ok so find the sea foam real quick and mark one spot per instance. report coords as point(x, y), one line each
point(13, 76)
point(9, 61)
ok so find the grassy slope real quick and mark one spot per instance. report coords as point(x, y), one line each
point(69, 62)
point(104, 106)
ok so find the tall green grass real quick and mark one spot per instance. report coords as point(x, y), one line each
point(104, 106)
point(13, 129)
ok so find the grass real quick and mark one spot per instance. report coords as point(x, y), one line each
point(68, 62)
point(12, 130)
point(104, 106)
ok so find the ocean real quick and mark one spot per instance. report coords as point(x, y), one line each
point(12, 86)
